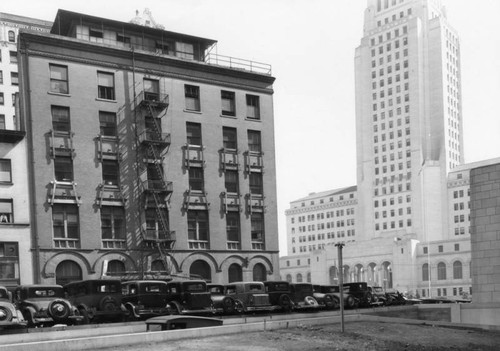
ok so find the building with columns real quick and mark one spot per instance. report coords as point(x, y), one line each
point(412, 226)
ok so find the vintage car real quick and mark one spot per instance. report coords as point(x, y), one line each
point(10, 316)
point(279, 294)
point(394, 297)
point(45, 305)
point(361, 292)
point(189, 297)
point(250, 296)
point(97, 299)
point(378, 295)
point(302, 297)
point(145, 298)
point(349, 300)
point(221, 303)
point(326, 299)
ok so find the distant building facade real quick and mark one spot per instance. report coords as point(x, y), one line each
point(15, 234)
point(145, 159)
point(412, 225)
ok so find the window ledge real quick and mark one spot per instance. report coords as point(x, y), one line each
point(58, 94)
point(14, 225)
point(193, 111)
point(6, 183)
point(253, 119)
point(228, 116)
point(106, 100)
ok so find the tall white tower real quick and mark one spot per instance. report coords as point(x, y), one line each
point(408, 119)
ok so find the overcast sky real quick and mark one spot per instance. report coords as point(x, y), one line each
point(310, 45)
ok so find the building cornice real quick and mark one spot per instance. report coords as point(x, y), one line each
point(337, 204)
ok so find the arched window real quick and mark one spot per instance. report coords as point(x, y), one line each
point(299, 278)
point(116, 266)
point(12, 36)
point(425, 272)
point(441, 271)
point(289, 278)
point(259, 273)
point(334, 279)
point(457, 270)
point(308, 277)
point(201, 269)
point(157, 266)
point(235, 273)
point(68, 271)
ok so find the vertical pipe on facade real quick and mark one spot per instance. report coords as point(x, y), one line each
point(26, 104)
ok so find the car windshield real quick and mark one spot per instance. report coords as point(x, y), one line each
point(255, 288)
point(153, 288)
point(231, 290)
point(215, 290)
point(281, 287)
point(108, 288)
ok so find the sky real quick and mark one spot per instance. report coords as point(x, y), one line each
point(310, 45)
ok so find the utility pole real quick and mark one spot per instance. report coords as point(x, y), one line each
point(341, 284)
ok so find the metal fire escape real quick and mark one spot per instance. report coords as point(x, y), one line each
point(155, 189)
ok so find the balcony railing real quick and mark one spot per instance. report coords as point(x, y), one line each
point(237, 63)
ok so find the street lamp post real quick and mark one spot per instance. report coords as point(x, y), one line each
point(341, 284)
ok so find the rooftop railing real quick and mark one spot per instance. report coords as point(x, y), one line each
point(237, 63)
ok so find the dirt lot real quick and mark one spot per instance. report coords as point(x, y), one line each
point(357, 336)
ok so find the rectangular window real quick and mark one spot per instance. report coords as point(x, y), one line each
point(60, 119)
point(196, 181)
point(233, 226)
point(228, 103)
point(253, 107)
point(256, 183)
point(254, 141)
point(2, 101)
point(107, 123)
point(6, 211)
point(151, 90)
point(440, 248)
point(14, 78)
point(184, 50)
point(198, 225)
point(59, 79)
point(111, 172)
point(106, 85)
point(112, 222)
point(193, 131)
point(13, 56)
point(9, 261)
point(2, 122)
point(192, 97)
point(1, 77)
point(5, 171)
point(65, 222)
point(63, 169)
point(231, 181)
point(257, 231)
point(229, 138)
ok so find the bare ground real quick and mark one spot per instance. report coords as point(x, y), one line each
point(357, 336)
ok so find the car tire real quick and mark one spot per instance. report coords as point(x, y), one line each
point(228, 305)
point(285, 303)
point(5, 314)
point(85, 316)
point(329, 303)
point(108, 304)
point(368, 298)
point(58, 310)
point(239, 307)
point(336, 303)
point(350, 302)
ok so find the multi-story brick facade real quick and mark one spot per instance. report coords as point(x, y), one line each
point(146, 158)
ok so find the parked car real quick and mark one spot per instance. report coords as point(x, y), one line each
point(302, 297)
point(145, 298)
point(279, 294)
point(250, 296)
point(394, 297)
point(189, 297)
point(221, 303)
point(45, 305)
point(361, 292)
point(349, 300)
point(325, 299)
point(10, 316)
point(437, 300)
point(378, 295)
point(97, 299)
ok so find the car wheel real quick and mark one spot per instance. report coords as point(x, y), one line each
point(368, 298)
point(108, 304)
point(329, 302)
point(228, 305)
point(85, 315)
point(29, 316)
point(59, 310)
point(130, 314)
point(285, 303)
point(350, 302)
point(5, 314)
point(239, 307)
point(335, 303)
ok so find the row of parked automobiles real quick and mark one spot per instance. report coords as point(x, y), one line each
point(111, 300)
